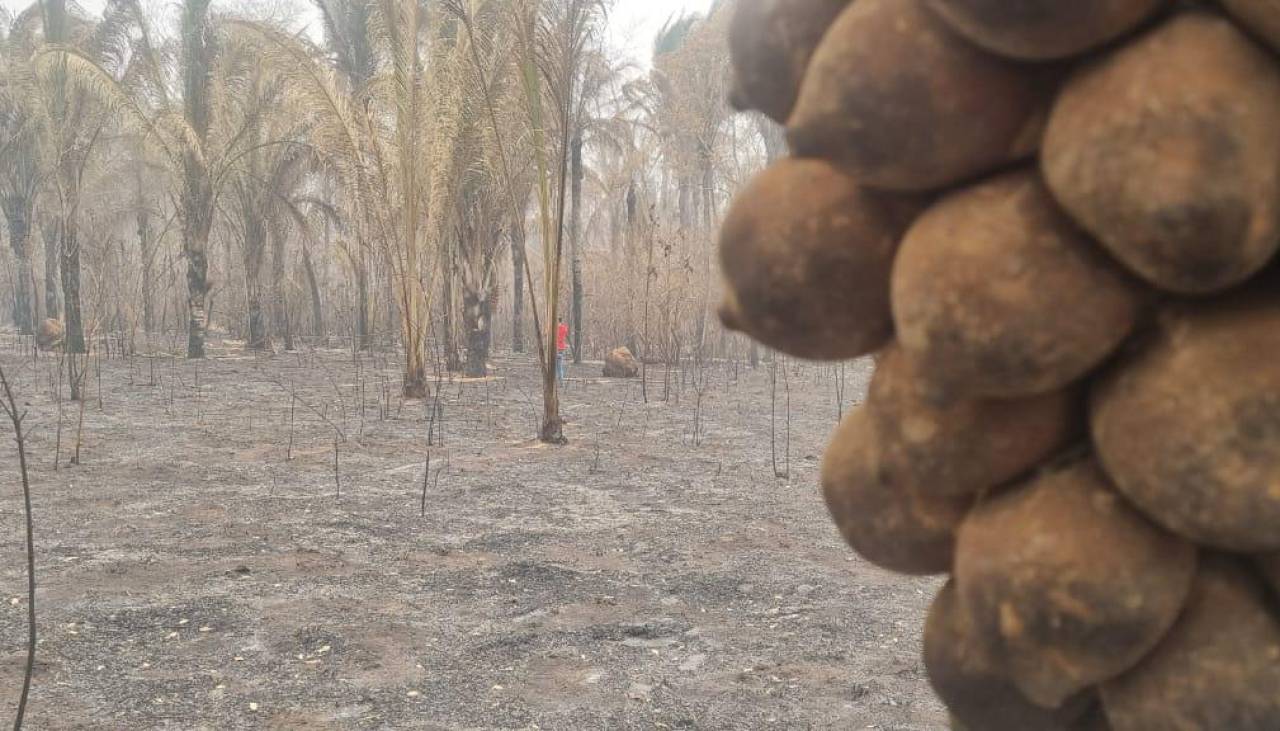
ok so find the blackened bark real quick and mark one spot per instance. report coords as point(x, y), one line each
point(197, 292)
point(477, 318)
point(364, 338)
point(448, 336)
point(254, 251)
point(52, 257)
point(317, 309)
point(279, 302)
point(146, 247)
point(575, 244)
point(71, 290)
point(257, 327)
point(517, 289)
point(20, 241)
point(196, 205)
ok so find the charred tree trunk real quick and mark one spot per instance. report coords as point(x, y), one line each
point(71, 288)
point(517, 288)
point(20, 241)
point(146, 248)
point(476, 316)
point(317, 309)
point(448, 335)
point(52, 255)
point(575, 245)
point(279, 302)
point(24, 316)
point(197, 190)
point(288, 327)
point(257, 323)
point(364, 338)
point(254, 251)
point(197, 292)
point(394, 323)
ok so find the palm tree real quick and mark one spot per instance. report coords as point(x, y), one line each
point(205, 137)
point(263, 183)
point(347, 26)
point(555, 37)
point(20, 153)
point(485, 207)
point(408, 163)
point(517, 233)
point(390, 148)
point(196, 197)
point(76, 128)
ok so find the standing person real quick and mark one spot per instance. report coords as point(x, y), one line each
point(562, 344)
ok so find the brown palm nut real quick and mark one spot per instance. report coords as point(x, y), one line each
point(1067, 585)
point(976, 693)
point(770, 44)
point(887, 521)
point(1188, 426)
point(903, 103)
point(1166, 151)
point(1037, 30)
point(1217, 669)
point(964, 446)
point(997, 293)
point(806, 254)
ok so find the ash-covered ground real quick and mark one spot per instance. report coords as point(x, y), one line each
point(198, 568)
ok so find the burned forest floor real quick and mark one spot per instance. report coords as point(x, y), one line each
point(248, 542)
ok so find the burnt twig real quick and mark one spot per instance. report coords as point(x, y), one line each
point(10, 406)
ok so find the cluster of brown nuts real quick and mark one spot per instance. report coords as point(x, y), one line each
point(1052, 222)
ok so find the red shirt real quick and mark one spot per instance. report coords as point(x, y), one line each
point(562, 337)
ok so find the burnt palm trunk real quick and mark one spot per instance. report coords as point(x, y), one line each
point(197, 190)
point(517, 288)
point(52, 255)
point(194, 245)
point(317, 309)
point(20, 241)
point(146, 248)
point(575, 245)
point(22, 299)
point(279, 303)
point(71, 264)
point(257, 324)
point(476, 316)
point(364, 338)
point(394, 324)
point(254, 247)
point(71, 289)
point(448, 336)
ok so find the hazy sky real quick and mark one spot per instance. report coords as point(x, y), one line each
point(634, 23)
point(631, 28)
